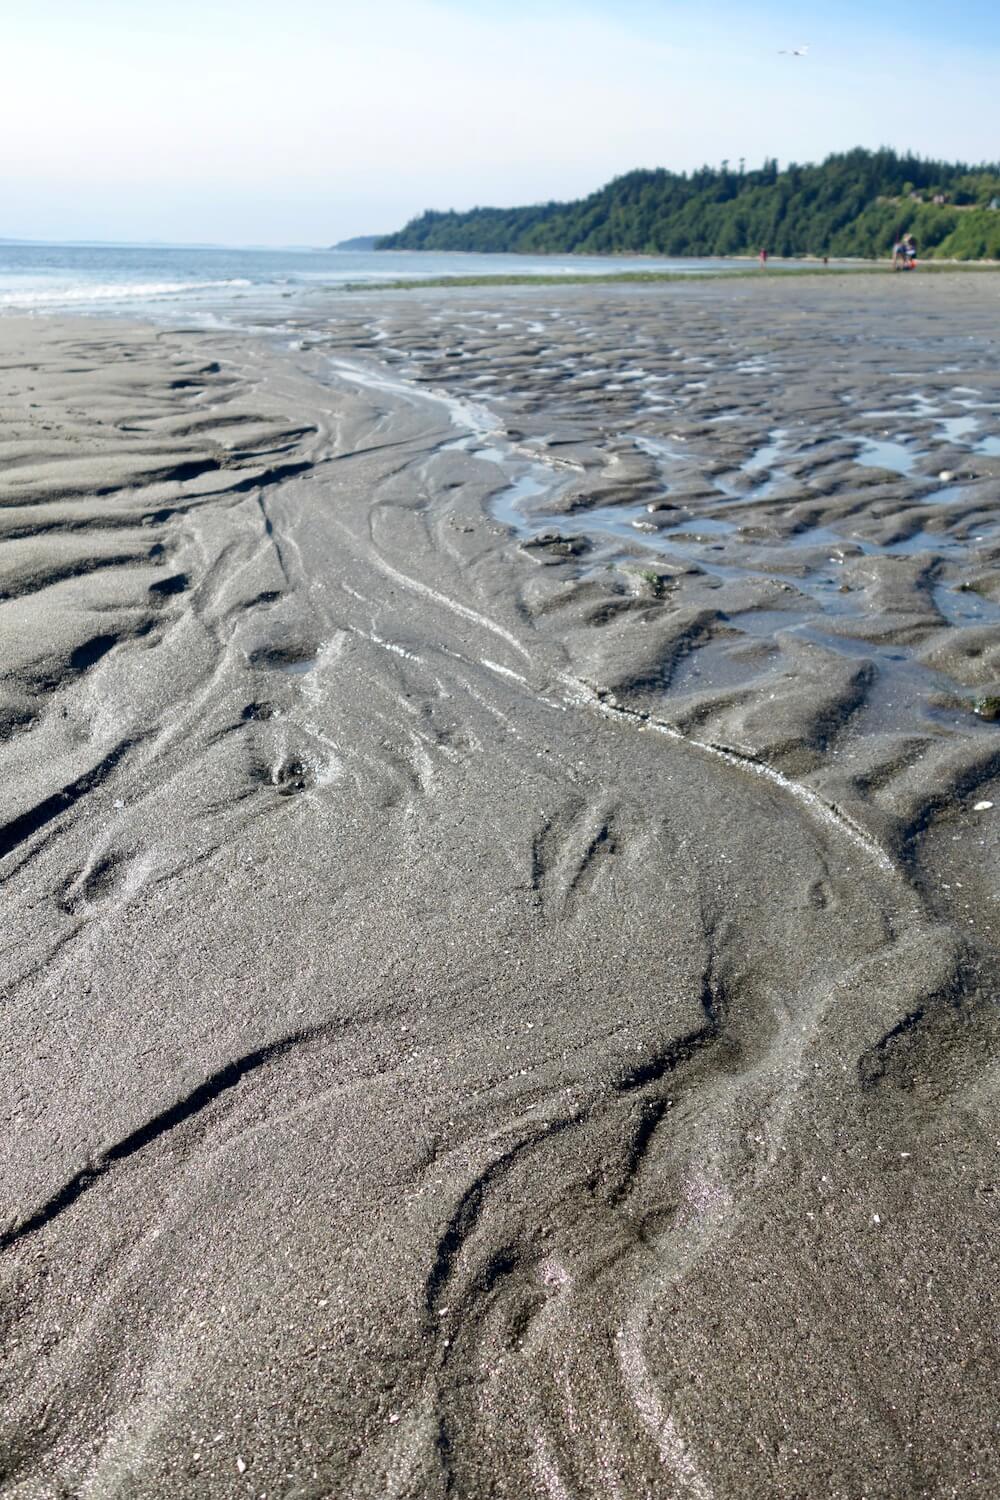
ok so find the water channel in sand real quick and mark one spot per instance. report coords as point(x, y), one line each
point(680, 534)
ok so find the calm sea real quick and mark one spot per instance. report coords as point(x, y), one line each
point(96, 278)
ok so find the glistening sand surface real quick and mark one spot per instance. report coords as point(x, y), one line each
point(500, 1012)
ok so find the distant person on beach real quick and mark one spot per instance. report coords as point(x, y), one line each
point(904, 253)
point(763, 258)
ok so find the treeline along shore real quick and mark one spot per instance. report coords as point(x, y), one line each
point(851, 204)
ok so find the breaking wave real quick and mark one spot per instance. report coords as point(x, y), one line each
point(82, 293)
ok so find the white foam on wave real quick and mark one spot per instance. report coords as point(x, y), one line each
point(112, 292)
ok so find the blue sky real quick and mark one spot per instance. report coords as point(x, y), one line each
point(302, 122)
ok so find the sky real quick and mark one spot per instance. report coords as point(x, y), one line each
point(306, 121)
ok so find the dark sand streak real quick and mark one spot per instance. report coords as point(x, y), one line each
point(171, 1118)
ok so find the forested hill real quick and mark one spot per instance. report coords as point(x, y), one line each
point(850, 205)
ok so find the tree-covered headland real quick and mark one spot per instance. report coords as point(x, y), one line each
point(851, 204)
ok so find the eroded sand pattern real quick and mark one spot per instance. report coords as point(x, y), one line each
point(498, 837)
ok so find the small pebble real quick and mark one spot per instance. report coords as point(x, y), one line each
point(982, 807)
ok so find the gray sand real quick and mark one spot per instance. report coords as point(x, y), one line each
point(499, 969)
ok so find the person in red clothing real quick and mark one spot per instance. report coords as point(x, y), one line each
point(763, 257)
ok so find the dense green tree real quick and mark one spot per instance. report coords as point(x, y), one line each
point(852, 204)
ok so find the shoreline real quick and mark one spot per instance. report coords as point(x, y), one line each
point(234, 286)
point(626, 278)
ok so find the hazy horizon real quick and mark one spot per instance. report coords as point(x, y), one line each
point(212, 125)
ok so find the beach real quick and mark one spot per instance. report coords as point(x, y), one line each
point(498, 824)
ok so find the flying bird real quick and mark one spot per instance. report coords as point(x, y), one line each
point(792, 51)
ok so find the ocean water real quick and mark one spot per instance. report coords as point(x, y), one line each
point(38, 278)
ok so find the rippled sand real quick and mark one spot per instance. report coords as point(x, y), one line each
point(498, 836)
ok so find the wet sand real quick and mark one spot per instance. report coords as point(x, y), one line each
point(499, 961)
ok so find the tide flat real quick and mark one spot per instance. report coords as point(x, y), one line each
point(499, 858)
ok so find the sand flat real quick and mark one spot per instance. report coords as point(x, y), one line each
point(499, 959)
